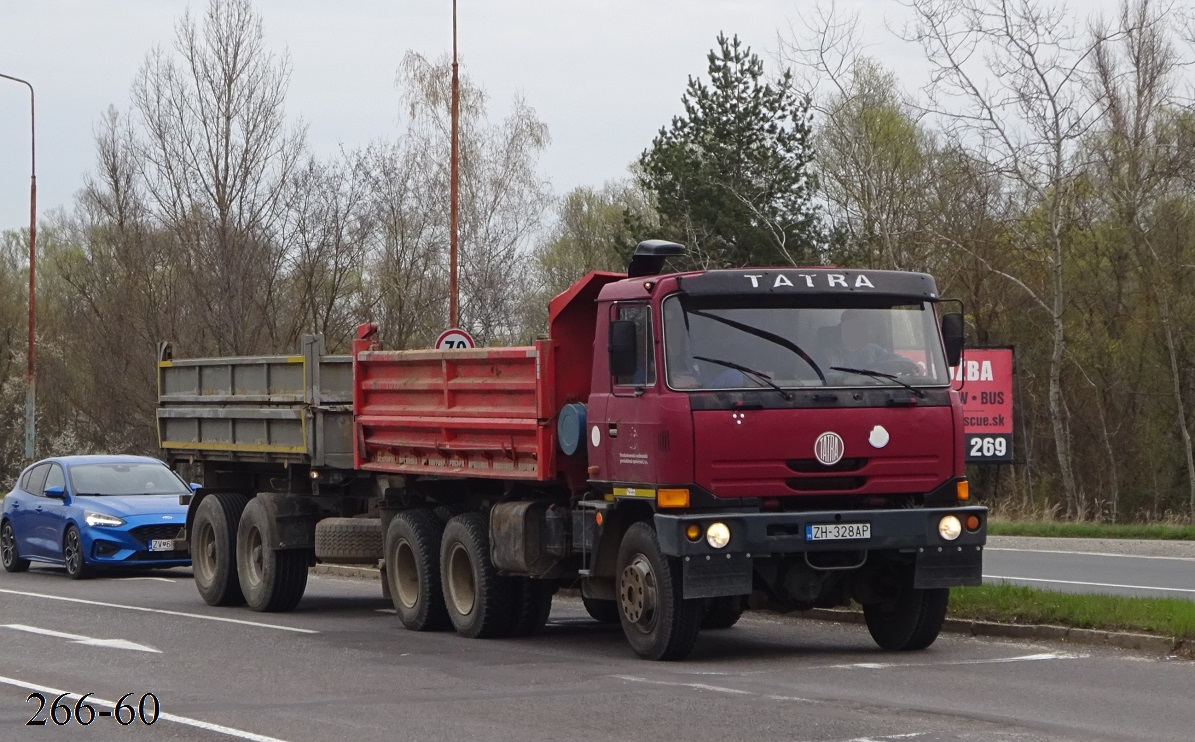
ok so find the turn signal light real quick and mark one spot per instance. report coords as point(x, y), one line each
point(597, 517)
point(693, 532)
point(962, 490)
point(673, 498)
point(972, 523)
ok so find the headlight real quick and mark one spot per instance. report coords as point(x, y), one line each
point(717, 535)
point(101, 519)
point(949, 527)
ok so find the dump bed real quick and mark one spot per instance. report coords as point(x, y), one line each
point(274, 409)
point(487, 412)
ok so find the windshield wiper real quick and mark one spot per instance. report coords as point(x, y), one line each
point(752, 372)
point(879, 375)
point(758, 332)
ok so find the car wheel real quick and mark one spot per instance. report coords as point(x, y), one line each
point(8, 550)
point(72, 554)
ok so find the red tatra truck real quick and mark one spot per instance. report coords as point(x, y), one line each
point(679, 446)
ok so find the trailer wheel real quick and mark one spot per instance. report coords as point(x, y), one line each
point(534, 605)
point(479, 601)
point(413, 570)
point(213, 548)
point(722, 613)
point(602, 611)
point(349, 540)
point(271, 579)
point(658, 622)
point(911, 621)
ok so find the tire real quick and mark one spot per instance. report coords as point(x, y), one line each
point(349, 540)
point(72, 554)
point(659, 624)
point(600, 610)
point(912, 621)
point(213, 548)
point(722, 613)
point(272, 580)
point(9, 556)
point(413, 570)
point(534, 606)
point(480, 603)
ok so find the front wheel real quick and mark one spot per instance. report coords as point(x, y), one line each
point(8, 550)
point(722, 613)
point(911, 621)
point(271, 579)
point(601, 610)
point(72, 554)
point(213, 548)
point(658, 622)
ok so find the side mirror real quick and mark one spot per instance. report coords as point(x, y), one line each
point(623, 347)
point(953, 335)
point(195, 486)
point(57, 492)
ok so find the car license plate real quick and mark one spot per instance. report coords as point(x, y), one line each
point(836, 531)
point(161, 544)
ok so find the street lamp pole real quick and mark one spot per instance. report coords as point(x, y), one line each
point(453, 302)
point(30, 380)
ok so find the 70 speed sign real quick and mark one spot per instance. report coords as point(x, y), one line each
point(454, 339)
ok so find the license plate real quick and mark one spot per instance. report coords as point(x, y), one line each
point(161, 544)
point(836, 531)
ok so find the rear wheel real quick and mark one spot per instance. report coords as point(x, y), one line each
point(658, 622)
point(910, 621)
point(534, 605)
point(722, 613)
point(600, 610)
point(213, 548)
point(479, 601)
point(8, 550)
point(72, 554)
point(270, 579)
point(413, 570)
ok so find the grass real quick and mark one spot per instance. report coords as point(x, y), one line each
point(1171, 617)
point(1059, 529)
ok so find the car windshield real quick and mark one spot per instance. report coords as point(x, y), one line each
point(733, 344)
point(126, 479)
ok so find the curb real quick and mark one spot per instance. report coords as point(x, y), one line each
point(1152, 643)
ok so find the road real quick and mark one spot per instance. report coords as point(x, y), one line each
point(1137, 568)
point(341, 668)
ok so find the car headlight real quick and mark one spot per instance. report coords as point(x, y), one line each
point(717, 535)
point(101, 519)
point(949, 528)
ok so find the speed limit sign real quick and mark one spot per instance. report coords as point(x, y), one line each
point(454, 339)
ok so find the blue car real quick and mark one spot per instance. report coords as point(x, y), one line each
point(89, 512)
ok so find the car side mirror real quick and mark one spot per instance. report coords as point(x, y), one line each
point(623, 347)
point(953, 335)
point(195, 486)
point(57, 492)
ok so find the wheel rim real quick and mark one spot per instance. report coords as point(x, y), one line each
point(639, 593)
point(205, 552)
point(406, 575)
point(462, 588)
point(72, 553)
point(256, 555)
point(8, 545)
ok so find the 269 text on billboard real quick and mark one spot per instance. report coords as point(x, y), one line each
point(984, 381)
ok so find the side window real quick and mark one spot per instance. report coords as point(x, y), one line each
point(37, 479)
point(55, 478)
point(645, 371)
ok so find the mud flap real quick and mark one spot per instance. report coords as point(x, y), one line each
point(715, 576)
point(949, 566)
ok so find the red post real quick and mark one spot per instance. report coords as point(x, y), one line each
point(30, 377)
point(453, 303)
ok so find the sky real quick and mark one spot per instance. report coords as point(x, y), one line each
point(604, 76)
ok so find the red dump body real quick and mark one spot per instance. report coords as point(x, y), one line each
point(487, 412)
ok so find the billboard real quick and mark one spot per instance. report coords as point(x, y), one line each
point(984, 382)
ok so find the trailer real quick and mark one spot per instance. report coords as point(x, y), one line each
point(679, 446)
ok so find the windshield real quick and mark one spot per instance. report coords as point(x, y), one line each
point(126, 479)
point(721, 344)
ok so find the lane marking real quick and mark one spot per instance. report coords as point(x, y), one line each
point(1091, 553)
point(1092, 584)
point(697, 686)
point(159, 579)
point(207, 725)
point(80, 639)
point(992, 661)
point(163, 612)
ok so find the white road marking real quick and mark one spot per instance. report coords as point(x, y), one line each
point(218, 728)
point(696, 686)
point(1091, 553)
point(159, 579)
point(240, 621)
point(387, 610)
point(991, 661)
point(1092, 584)
point(80, 639)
